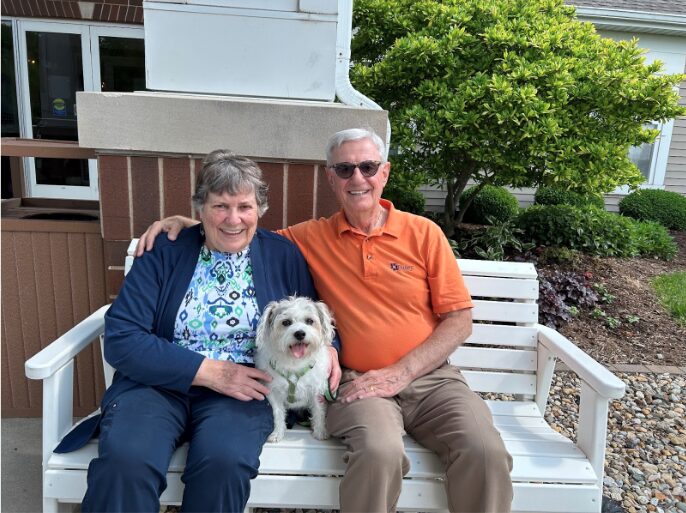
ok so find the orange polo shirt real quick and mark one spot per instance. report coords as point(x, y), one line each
point(384, 288)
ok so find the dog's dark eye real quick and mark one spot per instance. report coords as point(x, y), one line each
point(286, 322)
point(309, 321)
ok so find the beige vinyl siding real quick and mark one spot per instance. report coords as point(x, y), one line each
point(675, 176)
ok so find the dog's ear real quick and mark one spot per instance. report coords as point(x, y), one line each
point(264, 327)
point(327, 322)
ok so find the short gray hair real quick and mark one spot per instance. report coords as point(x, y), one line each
point(224, 171)
point(354, 134)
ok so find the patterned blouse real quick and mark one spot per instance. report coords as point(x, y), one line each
point(218, 315)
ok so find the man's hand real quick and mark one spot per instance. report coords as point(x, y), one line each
point(228, 378)
point(334, 371)
point(172, 225)
point(452, 330)
point(386, 382)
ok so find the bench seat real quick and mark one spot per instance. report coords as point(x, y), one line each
point(507, 353)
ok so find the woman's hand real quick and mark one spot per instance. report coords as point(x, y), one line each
point(238, 381)
point(172, 225)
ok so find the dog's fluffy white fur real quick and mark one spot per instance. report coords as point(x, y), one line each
point(293, 337)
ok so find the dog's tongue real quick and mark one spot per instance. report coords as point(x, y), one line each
point(298, 349)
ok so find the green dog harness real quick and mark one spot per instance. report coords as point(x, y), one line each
point(292, 378)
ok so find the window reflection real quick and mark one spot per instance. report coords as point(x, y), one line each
point(122, 64)
point(642, 155)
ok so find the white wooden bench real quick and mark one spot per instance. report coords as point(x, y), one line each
point(507, 353)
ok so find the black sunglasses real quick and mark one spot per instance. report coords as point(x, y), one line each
point(346, 169)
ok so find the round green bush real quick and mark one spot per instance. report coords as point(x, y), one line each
point(405, 199)
point(665, 207)
point(557, 196)
point(496, 203)
point(651, 239)
point(588, 229)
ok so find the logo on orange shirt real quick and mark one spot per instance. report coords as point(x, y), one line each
point(397, 267)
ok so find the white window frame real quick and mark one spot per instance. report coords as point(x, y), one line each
point(90, 55)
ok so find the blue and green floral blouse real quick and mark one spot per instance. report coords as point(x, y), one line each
point(218, 315)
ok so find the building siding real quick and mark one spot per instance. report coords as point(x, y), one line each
point(675, 176)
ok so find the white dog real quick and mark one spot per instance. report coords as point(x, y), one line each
point(292, 341)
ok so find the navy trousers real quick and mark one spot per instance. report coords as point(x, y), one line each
point(139, 432)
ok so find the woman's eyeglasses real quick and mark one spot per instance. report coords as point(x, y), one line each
point(345, 170)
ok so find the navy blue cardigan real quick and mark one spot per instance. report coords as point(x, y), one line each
point(139, 326)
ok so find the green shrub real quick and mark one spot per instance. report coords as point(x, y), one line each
point(496, 203)
point(589, 230)
point(666, 207)
point(555, 255)
point(409, 200)
point(492, 242)
point(557, 196)
point(651, 239)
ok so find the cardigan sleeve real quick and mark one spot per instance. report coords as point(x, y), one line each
point(132, 343)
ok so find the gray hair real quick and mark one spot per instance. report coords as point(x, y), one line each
point(224, 171)
point(354, 134)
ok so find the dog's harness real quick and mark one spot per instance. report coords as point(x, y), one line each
point(292, 378)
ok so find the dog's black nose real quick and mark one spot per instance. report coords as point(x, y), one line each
point(300, 334)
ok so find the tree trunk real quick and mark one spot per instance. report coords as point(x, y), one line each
point(449, 210)
point(459, 186)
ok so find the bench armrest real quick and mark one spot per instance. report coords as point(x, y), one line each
point(598, 386)
point(61, 351)
point(598, 377)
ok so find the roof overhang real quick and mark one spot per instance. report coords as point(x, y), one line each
point(633, 21)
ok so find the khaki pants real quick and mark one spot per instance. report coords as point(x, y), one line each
point(439, 411)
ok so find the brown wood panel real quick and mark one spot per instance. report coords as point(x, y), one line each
point(4, 365)
point(17, 147)
point(327, 204)
point(47, 319)
point(12, 336)
point(114, 197)
point(27, 287)
point(145, 192)
point(80, 310)
point(272, 173)
point(50, 282)
point(300, 193)
point(176, 184)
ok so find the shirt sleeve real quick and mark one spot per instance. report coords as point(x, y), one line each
point(448, 290)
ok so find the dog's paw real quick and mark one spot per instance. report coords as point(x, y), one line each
point(320, 434)
point(276, 436)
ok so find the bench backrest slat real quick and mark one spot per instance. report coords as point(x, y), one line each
point(502, 311)
point(486, 286)
point(495, 359)
point(503, 335)
point(501, 382)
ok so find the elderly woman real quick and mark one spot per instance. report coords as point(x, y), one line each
point(181, 338)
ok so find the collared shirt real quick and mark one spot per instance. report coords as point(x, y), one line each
point(386, 288)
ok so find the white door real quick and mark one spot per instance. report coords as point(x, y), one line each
point(55, 60)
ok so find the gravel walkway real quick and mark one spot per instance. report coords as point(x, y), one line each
point(645, 465)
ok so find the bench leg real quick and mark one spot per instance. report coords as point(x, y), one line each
point(52, 506)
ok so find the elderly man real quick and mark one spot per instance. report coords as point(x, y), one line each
point(401, 308)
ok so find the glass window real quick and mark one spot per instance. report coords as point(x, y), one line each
point(642, 155)
point(54, 61)
point(55, 75)
point(122, 64)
